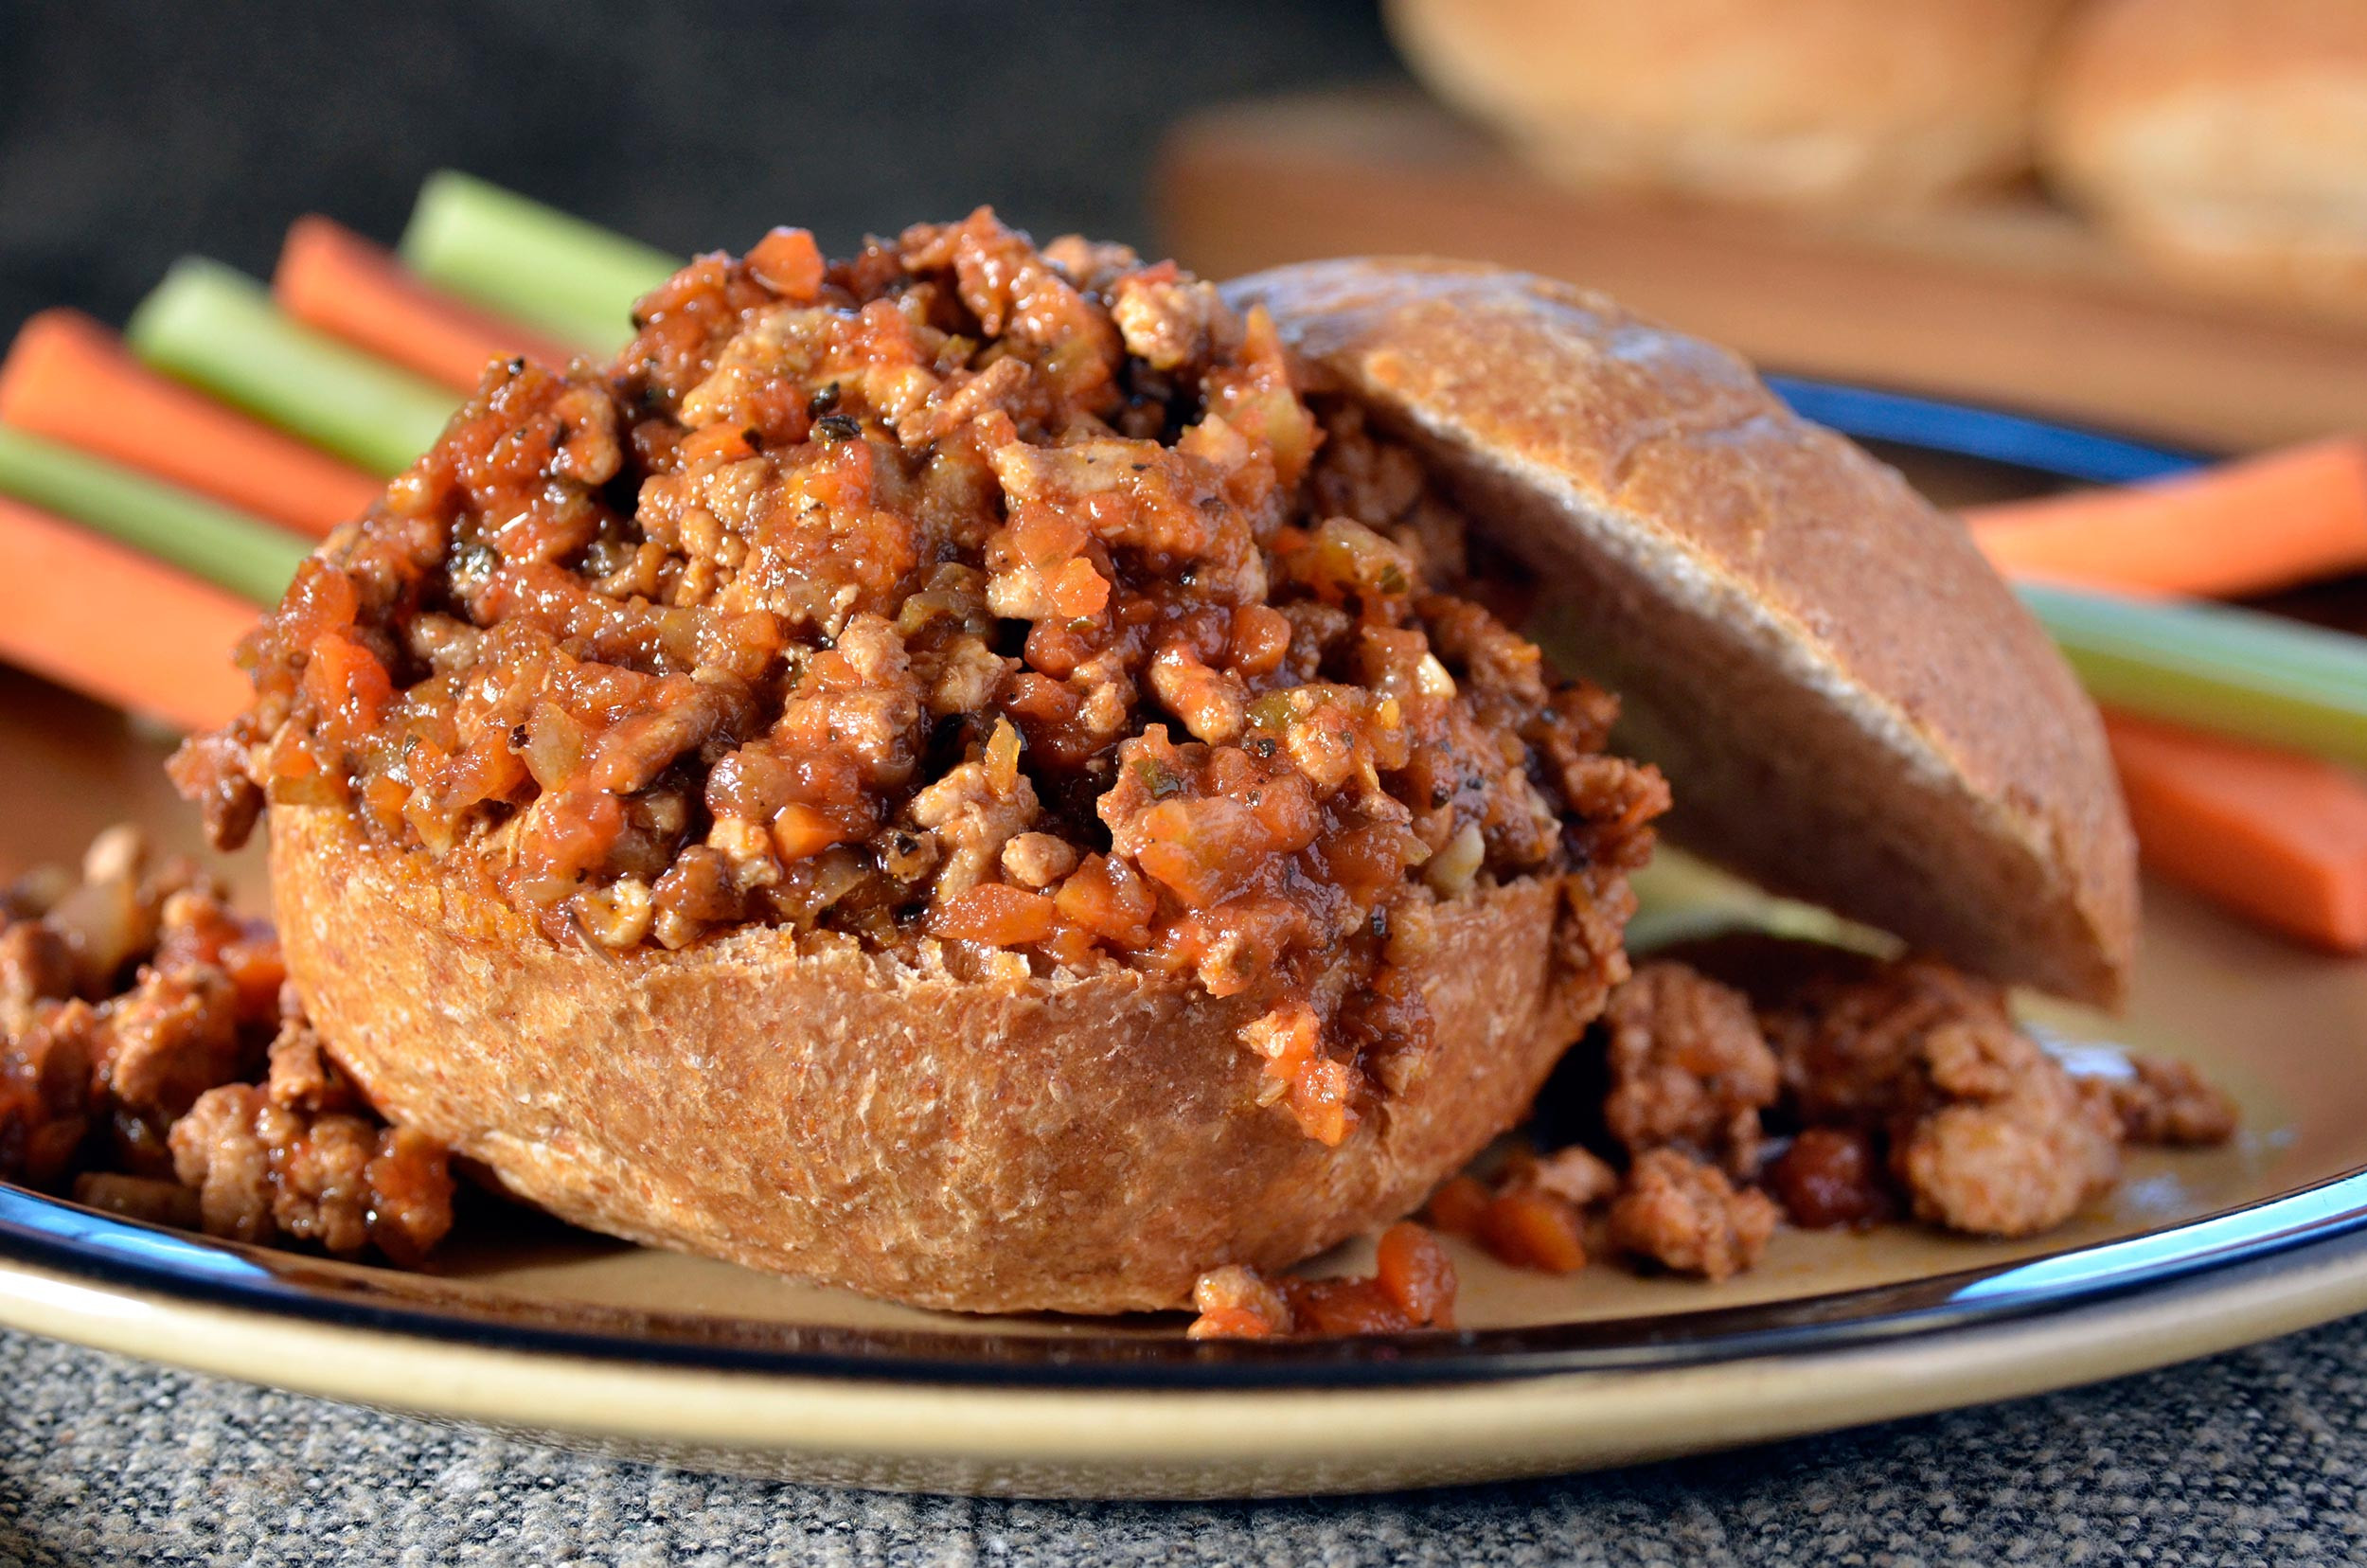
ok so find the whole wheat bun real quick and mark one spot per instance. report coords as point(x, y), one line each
point(2225, 140)
point(1824, 103)
point(1850, 705)
point(1082, 1143)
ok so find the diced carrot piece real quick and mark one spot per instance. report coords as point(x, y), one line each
point(800, 833)
point(724, 442)
point(788, 262)
point(1533, 1230)
point(1105, 897)
point(1078, 591)
point(345, 679)
point(1322, 1097)
point(996, 914)
point(1416, 1273)
point(1343, 1307)
point(1458, 1206)
point(1230, 1323)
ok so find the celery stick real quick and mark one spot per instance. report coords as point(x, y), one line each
point(225, 547)
point(218, 328)
point(537, 265)
point(2234, 671)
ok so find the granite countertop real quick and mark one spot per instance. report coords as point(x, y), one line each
point(2256, 1457)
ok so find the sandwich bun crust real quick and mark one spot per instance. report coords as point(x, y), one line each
point(983, 1142)
point(1850, 705)
point(2224, 140)
point(1816, 102)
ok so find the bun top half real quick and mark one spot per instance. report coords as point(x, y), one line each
point(1852, 707)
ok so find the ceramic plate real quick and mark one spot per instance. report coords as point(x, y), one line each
point(534, 1329)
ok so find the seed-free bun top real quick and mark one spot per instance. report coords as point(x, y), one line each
point(1826, 101)
point(1851, 706)
point(2225, 138)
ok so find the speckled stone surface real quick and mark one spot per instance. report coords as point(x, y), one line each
point(2254, 1457)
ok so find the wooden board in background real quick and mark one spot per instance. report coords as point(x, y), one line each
point(2013, 302)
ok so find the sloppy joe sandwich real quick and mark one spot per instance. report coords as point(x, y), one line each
point(990, 775)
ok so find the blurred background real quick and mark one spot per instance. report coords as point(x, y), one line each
point(130, 134)
point(2139, 212)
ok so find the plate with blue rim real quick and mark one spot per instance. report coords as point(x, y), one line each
point(529, 1326)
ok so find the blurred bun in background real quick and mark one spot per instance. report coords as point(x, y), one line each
point(1791, 102)
point(2224, 139)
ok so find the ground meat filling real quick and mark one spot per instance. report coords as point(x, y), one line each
point(1688, 1067)
point(1987, 1134)
point(1907, 1085)
point(300, 1156)
point(2165, 1102)
point(135, 1011)
point(1688, 1216)
point(959, 592)
point(1884, 1088)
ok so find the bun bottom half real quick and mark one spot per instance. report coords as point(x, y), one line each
point(1077, 1143)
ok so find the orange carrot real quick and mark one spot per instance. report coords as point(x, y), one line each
point(2275, 835)
point(115, 624)
point(68, 378)
point(332, 279)
point(2243, 528)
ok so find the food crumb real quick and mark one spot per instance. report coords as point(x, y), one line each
point(1688, 1216)
point(154, 1064)
point(2167, 1102)
point(1413, 1286)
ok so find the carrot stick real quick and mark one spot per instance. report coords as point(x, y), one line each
point(330, 278)
point(115, 624)
point(68, 378)
point(2279, 837)
point(2244, 528)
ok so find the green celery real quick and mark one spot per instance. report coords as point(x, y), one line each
point(216, 327)
point(532, 263)
point(225, 547)
point(2234, 671)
